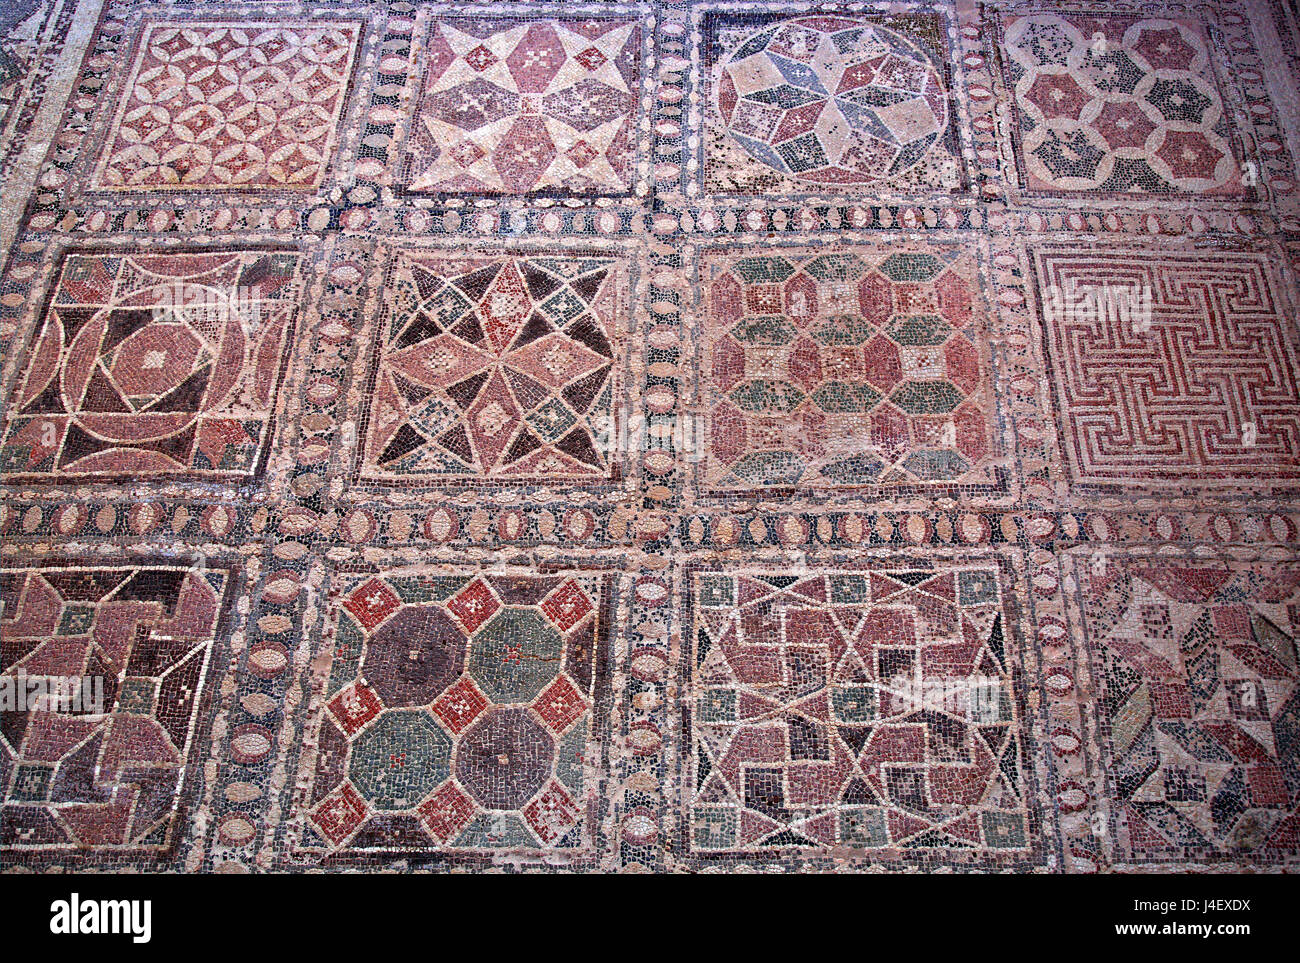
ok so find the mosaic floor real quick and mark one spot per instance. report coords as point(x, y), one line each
point(670, 436)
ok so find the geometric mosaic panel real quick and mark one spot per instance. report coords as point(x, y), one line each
point(1118, 104)
point(867, 366)
point(459, 715)
point(839, 103)
point(659, 436)
point(495, 367)
point(229, 106)
point(154, 366)
point(104, 782)
point(1189, 378)
point(854, 710)
point(526, 106)
point(1196, 668)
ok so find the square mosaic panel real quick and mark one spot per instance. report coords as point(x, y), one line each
point(662, 436)
point(154, 366)
point(99, 783)
point(229, 105)
point(859, 711)
point(861, 369)
point(1195, 665)
point(508, 106)
point(1124, 104)
point(1182, 377)
point(495, 367)
point(459, 716)
point(840, 103)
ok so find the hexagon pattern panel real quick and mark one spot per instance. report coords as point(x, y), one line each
point(856, 368)
point(1118, 104)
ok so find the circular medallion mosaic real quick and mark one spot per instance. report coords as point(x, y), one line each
point(832, 100)
point(137, 374)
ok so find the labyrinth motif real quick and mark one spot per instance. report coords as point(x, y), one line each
point(87, 778)
point(1199, 702)
point(526, 106)
point(830, 102)
point(853, 710)
point(155, 366)
point(840, 370)
point(495, 367)
point(229, 106)
point(1118, 104)
point(1191, 384)
point(459, 713)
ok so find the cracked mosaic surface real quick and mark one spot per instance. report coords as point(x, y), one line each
point(650, 436)
point(1197, 703)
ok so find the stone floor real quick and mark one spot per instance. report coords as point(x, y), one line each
point(682, 435)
